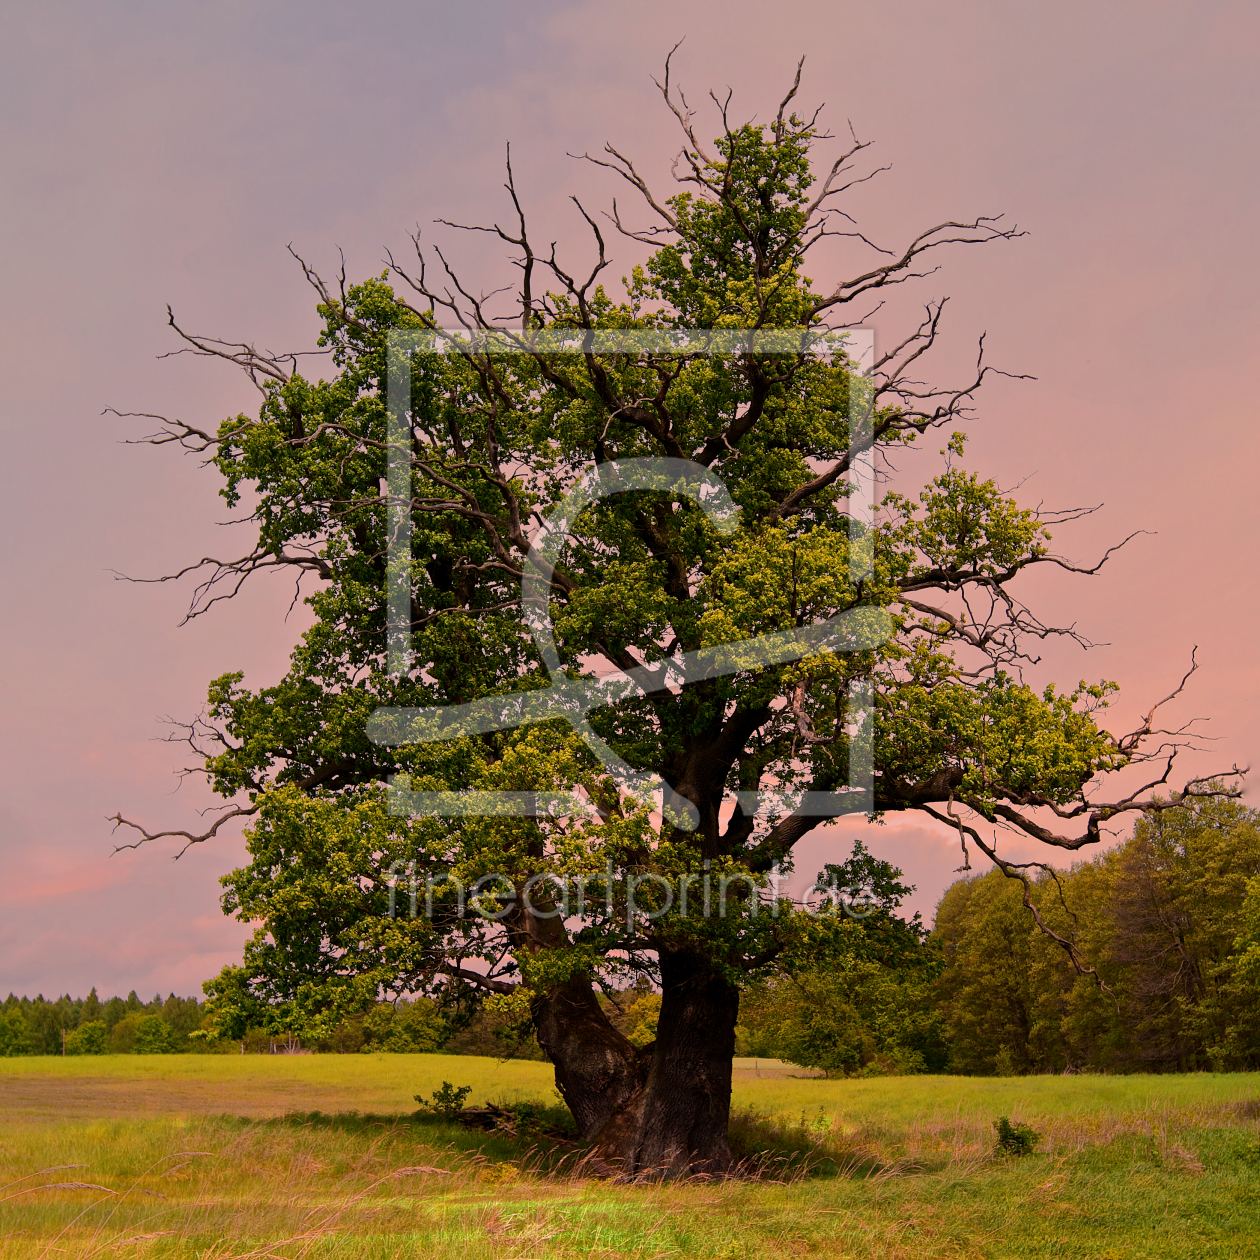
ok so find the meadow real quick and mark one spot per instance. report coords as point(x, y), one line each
point(311, 1156)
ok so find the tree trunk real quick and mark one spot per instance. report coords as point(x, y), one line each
point(660, 1116)
point(686, 1103)
point(598, 1071)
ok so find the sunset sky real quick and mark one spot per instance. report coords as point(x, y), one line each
point(156, 153)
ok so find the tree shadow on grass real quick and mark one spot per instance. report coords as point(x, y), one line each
point(532, 1137)
point(541, 1140)
point(772, 1149)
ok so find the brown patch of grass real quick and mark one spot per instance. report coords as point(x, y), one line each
point(1248, 1109)
point(115, 1098)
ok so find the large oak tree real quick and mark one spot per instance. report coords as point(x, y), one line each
point(496, 439)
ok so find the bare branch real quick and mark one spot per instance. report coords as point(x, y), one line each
point(978, 231)
point(260, 367)
point(1015, 870)
point(145, 836)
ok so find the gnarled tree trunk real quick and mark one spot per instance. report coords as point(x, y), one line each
point(598, 1071)
point(662, 1112)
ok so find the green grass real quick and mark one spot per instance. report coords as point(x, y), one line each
point(373, 1079)
point(1127, 1167)
point(901, 1099)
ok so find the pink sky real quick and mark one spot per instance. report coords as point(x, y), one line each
point(156, 153)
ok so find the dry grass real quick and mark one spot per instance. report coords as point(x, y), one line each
point(901, 1170)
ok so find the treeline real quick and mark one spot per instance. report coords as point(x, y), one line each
point(90, 1026)
point(1166, 927)
point(175, 1025)
point(1170, 923)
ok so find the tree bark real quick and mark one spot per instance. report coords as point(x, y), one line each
point(686, 1103)
point(663, 1111)
point(598, 1071)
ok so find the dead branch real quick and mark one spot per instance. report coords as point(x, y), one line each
point(1015, 870)
point(145, 836)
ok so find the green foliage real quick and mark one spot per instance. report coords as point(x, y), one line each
point(122, 1037)
point(1162, 918)
point(640, 1028)
point(1180, 913)
point(90, 1026)
point(89, 1038)
point(852, 994)
point(402, 1027)
point(1231, 1016)
point(989, 997)
point(447, 1100)
point(153, 1035)
point(634, 1011)
point(481, 1029)
point(1015, 1139)
point(46, 1020)
point(15, 1034)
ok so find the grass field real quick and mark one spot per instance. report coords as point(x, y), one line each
point(314, 1156)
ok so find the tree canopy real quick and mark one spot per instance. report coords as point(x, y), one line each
point(355, 901)
point(1168, 921)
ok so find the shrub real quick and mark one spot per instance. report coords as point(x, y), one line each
point(153, 1036)
point(1015, 1139)
point(447, 1101)
point(90, 1038)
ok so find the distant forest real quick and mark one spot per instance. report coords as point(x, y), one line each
point(1166, 928)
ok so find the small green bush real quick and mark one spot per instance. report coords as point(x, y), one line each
point(90, 1038)
point(153, 1036)
point(1015, 1139)
point(447, 1101)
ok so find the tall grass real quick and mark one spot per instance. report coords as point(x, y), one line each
point(1125, 1167)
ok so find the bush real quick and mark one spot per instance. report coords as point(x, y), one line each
point(91, 1038)
point(15, 1036)
point(1015, 1139)
point(153, 1036)
point(447, 1101)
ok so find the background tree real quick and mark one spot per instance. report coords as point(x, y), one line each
point(91, 1037)
point(999, 1016)
point(1162, 921)
point(854, 994)
point(15, 1035)
point(1233, 1016)
point(90, 1026)
point(1178, 911)
point(496, 442)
